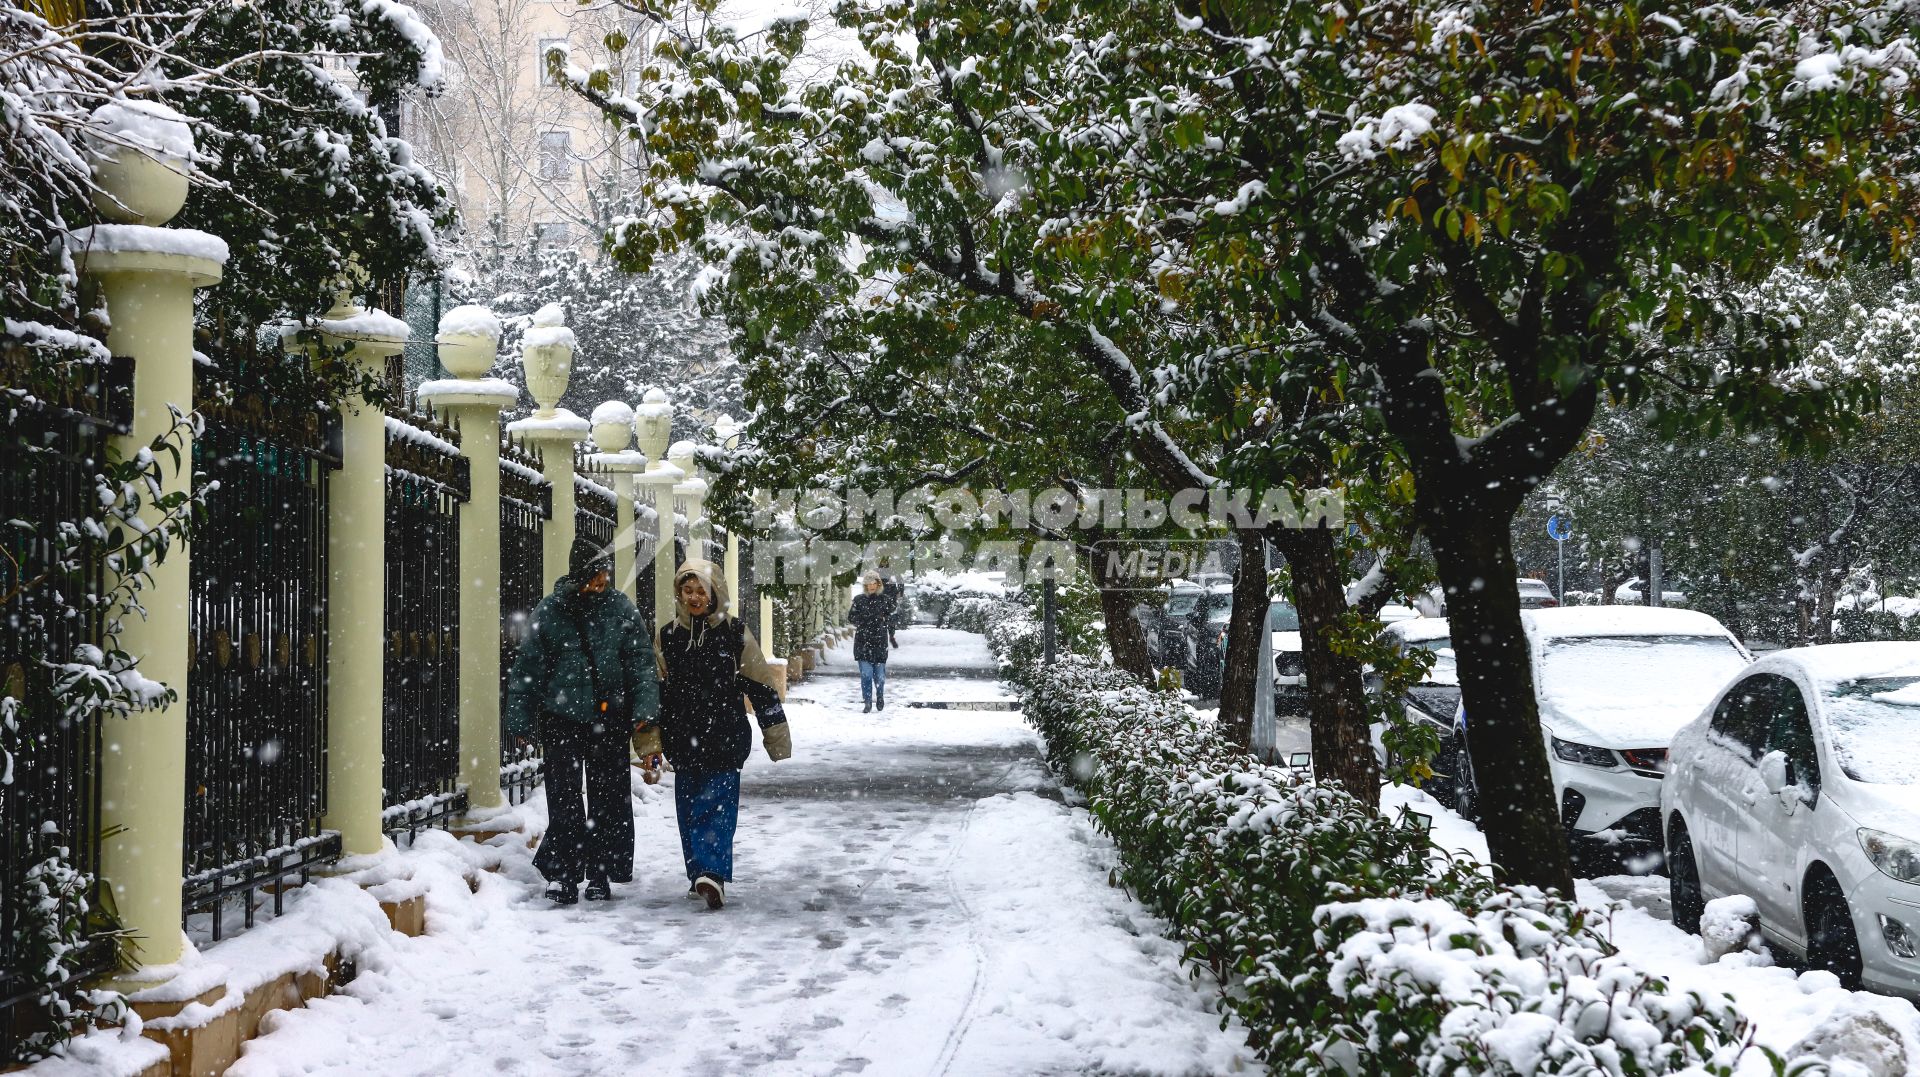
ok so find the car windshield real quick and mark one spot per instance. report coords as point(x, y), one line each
point(1181, 605)
point(1220, 613)
point(1443, 671)
point(1282, 618)
point(1636, 690)
point(1875, 727)
point(1436, 700)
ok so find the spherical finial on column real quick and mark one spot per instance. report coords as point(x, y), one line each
point(140, 152)
point(655, 422)
point(469, 338)
point(612, 426)
point(546, 354)
point(681, 456)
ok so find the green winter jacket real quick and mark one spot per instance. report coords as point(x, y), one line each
point(551, 677)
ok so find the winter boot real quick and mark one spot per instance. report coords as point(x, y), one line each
point(880, 699)
point(711, 888)
point(564, 892)
point(866, 705)
point(599, 890)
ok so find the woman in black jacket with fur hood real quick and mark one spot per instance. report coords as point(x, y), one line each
point(709, 666)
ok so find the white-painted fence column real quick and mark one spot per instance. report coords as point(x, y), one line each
point(612, 433)
point(469, 340)
point(357, 579)
point(654, 419)
point(546, 354)
point(147, 276)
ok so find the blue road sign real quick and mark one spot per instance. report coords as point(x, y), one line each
point(1559, 528)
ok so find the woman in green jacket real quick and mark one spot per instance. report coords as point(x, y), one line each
point(583, 681)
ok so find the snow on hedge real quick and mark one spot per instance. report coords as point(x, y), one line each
point(1342, 939)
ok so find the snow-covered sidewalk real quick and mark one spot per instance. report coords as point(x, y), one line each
point(911, 897)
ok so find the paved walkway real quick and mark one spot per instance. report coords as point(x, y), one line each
point(911, 897)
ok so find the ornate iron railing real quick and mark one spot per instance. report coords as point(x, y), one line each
point(594, 508)
point(427, 480)
point(526, 503)
point(256, 683)
point(54, 439)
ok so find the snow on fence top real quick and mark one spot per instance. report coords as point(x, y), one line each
point(495, 387)
point(399, 428)
point(147, 239)
point(520, 470)
point(147, 125)
point(581, 482)
point(613, 411)
point(471, 320)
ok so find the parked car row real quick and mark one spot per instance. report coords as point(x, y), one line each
point(1793, 780)
point(1799, 786)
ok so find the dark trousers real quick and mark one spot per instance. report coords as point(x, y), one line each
point(708, 806)
point(589, 803)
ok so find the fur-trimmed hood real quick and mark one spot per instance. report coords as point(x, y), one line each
point(713, 579)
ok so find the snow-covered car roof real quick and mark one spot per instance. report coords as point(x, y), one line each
point(1419, 629)
point(1567, 621)
point(1528, 583)
point(1836, 662)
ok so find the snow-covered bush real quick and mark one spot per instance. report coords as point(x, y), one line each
point(1343, 942)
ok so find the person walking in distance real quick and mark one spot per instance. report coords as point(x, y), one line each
point(710, 665)
point(871, 615)
point(582, 682)
point(895, 593)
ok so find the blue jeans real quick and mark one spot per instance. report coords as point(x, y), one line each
point(708, 806)
point(872, 675)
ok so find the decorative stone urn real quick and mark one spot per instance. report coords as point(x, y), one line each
point(654, 419)
point(547, 356)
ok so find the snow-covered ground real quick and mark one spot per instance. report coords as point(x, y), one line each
point(911, 898)
point(1783, 1004)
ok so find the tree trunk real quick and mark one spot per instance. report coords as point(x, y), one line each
point(1336, 693)
point(1474, 551)
point(1124, 634)
point(1248, 620)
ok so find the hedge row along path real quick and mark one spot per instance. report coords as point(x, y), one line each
point(912, 897)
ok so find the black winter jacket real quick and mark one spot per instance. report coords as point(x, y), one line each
point(869, 616)
point(551, 677)
point(703, 716)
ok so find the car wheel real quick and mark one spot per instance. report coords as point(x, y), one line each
point(1466, 790)
point(1683, 881)
point(1445, 786)
point(1832, 943)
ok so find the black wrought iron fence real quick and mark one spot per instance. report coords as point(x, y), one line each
point(256, 685)
point(526, 503)
point(54, 438)
point(594, 508)
point(427, 480)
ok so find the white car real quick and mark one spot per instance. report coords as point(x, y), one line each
point(1289, 665)
point(1535, 594)
point(1799, 786)
point(1434, 701)
point(1614, 684)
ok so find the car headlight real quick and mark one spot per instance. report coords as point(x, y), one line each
point(1896, 857)
point(1584, 754)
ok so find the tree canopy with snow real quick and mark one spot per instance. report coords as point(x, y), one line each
point(1467, 223)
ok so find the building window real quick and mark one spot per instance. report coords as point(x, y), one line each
point(540, 59)
point(553, 235)
point(556, 149)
